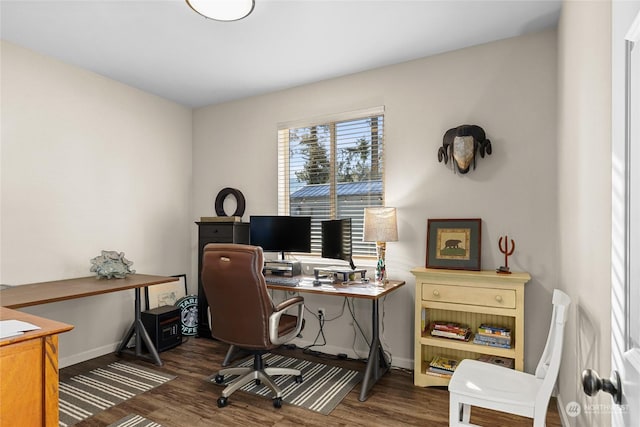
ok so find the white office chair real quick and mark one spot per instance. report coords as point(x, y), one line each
point(476, 383)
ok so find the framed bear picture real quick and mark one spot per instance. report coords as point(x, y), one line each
point(454, 243)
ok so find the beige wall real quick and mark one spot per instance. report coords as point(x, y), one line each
point(110, 169)
point(507, 87)
point(89, 164)
point(584, 196)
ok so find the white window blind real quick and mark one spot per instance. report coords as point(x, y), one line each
point(332, 168)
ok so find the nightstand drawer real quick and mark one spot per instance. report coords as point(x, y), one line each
point(219, 233)
point(487, 297)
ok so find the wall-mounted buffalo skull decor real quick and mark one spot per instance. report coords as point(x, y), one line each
point(461, 145)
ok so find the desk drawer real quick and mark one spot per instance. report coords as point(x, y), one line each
point(219, 233)
point(487, 297)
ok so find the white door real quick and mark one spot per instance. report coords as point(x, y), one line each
point(625, 329)
point(630, 369)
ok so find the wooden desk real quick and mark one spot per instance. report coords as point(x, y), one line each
point(29, 372)
point(62, 290)
point(377, 362)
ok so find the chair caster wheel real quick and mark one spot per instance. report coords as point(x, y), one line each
point(258, 382)
point(222, 402)
point(219, 379)
point(277, 402)
point(299, 379)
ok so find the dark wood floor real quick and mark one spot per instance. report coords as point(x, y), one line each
point(189, 400)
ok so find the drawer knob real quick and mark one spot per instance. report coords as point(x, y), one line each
point(436, 293)
point(499, 298)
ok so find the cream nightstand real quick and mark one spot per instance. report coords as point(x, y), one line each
point(471, 298)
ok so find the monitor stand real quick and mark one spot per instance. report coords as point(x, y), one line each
point(336, 272)
point(283, 268)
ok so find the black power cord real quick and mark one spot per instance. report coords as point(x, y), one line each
point(307, 349)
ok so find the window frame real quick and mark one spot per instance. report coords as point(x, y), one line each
point(361, 250)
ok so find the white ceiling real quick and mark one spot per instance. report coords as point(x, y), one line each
point(163, 47)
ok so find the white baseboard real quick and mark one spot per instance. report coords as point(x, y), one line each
point(362, 353)
point(329, 349)
point(87, 355)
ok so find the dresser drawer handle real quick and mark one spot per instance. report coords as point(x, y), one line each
point(499, 298)
point(436, 293)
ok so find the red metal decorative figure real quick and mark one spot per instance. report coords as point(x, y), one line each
point(506, 251)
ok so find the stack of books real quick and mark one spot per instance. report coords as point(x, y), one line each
point(456, 331)
point(494, 336)
point(443, 366)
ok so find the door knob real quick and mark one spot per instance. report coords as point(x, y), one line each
point(592, 384)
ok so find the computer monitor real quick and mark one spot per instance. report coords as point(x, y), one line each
point(336, 240)
point(278, 233)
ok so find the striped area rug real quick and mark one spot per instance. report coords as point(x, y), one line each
point(84, 395)
point(322, 389)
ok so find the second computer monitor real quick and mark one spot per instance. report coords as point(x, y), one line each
point(280, 233)
point(337, 240)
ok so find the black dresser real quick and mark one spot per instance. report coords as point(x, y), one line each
point(215, 232)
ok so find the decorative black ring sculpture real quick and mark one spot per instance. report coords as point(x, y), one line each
point(222, 195)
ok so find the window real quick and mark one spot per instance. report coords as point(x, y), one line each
point(332, 168)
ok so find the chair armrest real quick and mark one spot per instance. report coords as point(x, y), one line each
point(288, 303)
point(274, 320)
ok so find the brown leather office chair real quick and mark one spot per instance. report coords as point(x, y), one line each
point(243, 315)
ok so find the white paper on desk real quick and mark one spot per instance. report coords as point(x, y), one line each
point(11, 328)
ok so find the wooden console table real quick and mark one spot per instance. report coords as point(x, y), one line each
point(29, 372)
point(62, 290)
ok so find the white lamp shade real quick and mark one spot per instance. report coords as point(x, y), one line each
point(380, 225)
point(222, 10)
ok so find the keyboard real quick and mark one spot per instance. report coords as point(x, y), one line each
point(282, 281)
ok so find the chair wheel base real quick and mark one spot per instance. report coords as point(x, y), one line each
point(277, 402)
point(222, 402)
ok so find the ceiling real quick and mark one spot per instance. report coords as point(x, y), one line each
point(163, 47)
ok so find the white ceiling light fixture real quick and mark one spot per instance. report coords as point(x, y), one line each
point(222, 10)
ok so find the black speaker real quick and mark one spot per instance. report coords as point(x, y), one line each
point(164, 326)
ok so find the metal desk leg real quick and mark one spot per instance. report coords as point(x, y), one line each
point(377, 363)
point(137, 329)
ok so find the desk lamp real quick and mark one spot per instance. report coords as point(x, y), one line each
point(380, 226)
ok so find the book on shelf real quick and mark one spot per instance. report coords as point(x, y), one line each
point(494, 330)
point(442, 363)
point(450, 326)
point(440, 372)
point(493, 338)
point(498, 336)
point(453, 330)
point(497, 360)
point(452, 335)
point(492, 341)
